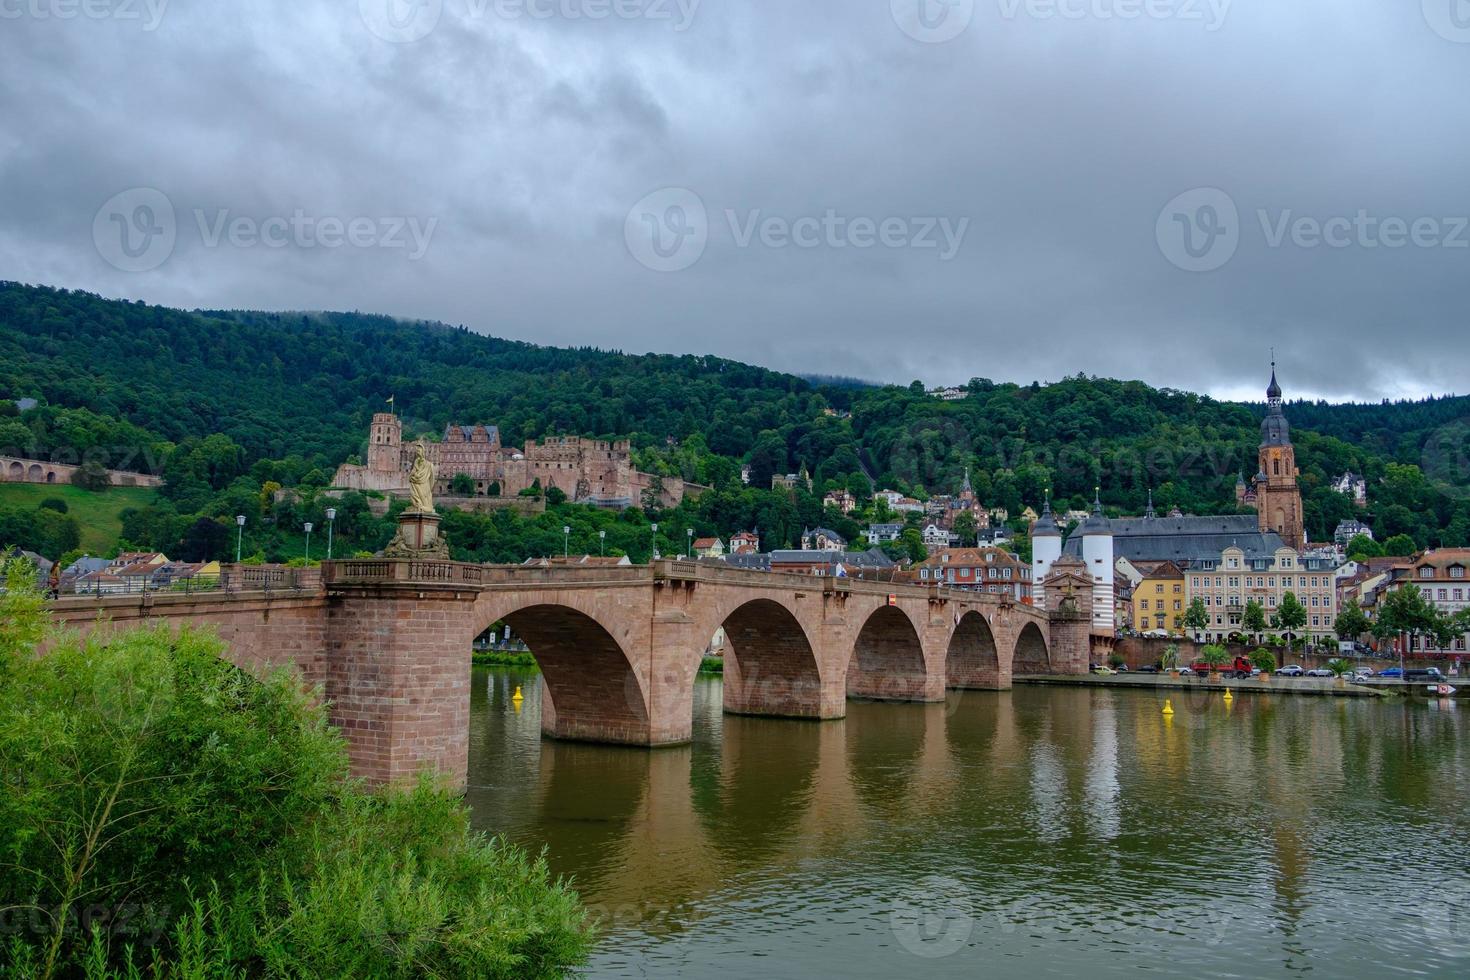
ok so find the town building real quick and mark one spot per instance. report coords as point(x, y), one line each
point(745, 543)
point(1353, 485)
point(883, 533)
point(989, 569)
point(950, 393)
point(822, 539)
point(1441, 577)
point(1159, 597)
point(1347, 530)
point(1092, 544)
point(937, 537)
point(1238, 575)
point(586, 470)
point(708, 547)
point(801, 480)
point(844, 502)
point(1273, 492)
point(871, 564)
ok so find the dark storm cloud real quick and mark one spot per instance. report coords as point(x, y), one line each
point(834, 187)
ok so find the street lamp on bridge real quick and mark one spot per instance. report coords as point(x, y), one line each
point(655, 542)
point(239, 535)
point(689, 542)
point(566, 541)
point(308, 540)
point(331, 525)
point(601, 544)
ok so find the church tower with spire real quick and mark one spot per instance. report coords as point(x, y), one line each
point(1274, 492)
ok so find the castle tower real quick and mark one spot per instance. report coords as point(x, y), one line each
point(1097, 555)
point(1278, 499)
point(385, 442)
point(1046, 548)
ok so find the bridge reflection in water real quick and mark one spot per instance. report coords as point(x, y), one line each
point(1075, 824)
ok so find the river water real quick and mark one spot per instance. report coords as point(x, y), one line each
point(1043, 831)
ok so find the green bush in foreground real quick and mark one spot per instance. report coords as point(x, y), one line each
point(165, 814)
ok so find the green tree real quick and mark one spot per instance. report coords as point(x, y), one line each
point(1291, 617)
point(1400, 545)
point(462, 485)
point(1362, 547)
point(1215, 656)
point(1263, 660)
point(1351, 623)
point(91, 476)
point(1196, 618)
point(965, 527)
point(1254, 619)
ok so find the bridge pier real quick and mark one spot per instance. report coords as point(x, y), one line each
point(398, 680)
point(388, 641)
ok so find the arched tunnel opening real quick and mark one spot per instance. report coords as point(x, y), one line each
point(887, 662)
point(770, 667)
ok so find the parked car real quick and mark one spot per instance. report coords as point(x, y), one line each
point(1320, 672)
point(1290, 670)
point(1148, 669)
point(1360, 675)
point(1432, 675)
point(1391, 672)
point(1186, 672)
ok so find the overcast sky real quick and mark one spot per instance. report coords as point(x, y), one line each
point(891, 189)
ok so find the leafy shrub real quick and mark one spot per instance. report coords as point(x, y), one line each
point(54, 503)
point(1340, 666)
point(1264, 660)
point(209, 815)
point(1214, 655)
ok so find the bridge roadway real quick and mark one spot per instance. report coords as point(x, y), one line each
point(388, 642)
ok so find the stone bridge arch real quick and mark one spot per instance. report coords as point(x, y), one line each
point(887, 661)
point(772, 665)
point(594, 685)
point(1032, 652)
point(973, 659)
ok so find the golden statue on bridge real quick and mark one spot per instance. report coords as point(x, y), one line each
point(421, 483)
point(418, 527)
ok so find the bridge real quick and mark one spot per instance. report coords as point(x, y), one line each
point(388, 641)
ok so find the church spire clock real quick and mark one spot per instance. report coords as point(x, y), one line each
point(1274, 492)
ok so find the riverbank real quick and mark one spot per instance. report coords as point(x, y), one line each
point(1310, 686)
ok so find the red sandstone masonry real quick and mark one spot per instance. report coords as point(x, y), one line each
point(389, 643)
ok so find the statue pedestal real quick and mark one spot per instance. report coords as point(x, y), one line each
point(418, 537)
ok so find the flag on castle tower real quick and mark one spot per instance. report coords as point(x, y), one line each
point(390, 401)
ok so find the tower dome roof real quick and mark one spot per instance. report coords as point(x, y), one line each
point(1045, 526)
point(1273, 390)
point(1096, 522)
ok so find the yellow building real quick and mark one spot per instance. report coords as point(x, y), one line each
point(1159, 601)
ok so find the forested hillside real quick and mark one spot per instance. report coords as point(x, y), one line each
point(224, 404)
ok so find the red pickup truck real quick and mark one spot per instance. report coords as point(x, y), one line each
point(1241, 668)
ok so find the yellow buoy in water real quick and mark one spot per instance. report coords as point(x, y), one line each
point(517, 695)
point(1168, 708)
point(1228, 695)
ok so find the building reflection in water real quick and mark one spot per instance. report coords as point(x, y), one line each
point(1092, 805)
